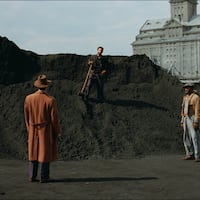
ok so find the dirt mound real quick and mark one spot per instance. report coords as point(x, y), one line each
point(140, 116)
point(16, 65)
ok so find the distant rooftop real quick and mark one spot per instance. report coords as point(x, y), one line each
point(159, 23)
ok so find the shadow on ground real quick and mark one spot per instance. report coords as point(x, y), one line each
point(103, 179)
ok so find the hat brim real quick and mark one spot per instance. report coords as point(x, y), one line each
point(190, 86)
point(38, 84)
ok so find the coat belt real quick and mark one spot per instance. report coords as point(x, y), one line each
point(40, 123)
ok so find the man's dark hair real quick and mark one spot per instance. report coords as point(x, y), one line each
point(100, 47)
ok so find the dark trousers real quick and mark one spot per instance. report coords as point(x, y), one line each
point(95, 79)
point(44, 169)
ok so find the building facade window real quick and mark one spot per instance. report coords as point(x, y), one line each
point(175, 40)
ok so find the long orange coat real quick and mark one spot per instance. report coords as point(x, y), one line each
point(43, 126)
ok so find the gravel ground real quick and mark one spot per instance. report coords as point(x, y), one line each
point(160, 177)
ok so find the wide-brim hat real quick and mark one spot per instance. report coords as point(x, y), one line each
point(42, 81)
point(188, 85)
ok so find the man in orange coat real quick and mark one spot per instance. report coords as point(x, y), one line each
point(43, 127)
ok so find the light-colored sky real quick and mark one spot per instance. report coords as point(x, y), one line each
point(47, 27)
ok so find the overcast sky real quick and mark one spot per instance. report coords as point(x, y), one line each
point(47, 27)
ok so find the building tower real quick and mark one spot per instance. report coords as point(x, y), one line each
point(173, 43)
point(183, 10)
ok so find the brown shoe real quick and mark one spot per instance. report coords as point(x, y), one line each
point(48, 180)
point(188, 157)
point(197, 159)
point(32, 180)
point(45, 180)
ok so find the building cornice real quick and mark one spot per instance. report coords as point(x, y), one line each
point(181, 1)
point(155, 42)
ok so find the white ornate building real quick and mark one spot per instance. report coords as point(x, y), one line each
point(173, 43)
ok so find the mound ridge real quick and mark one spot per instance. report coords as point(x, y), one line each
point(140, 116)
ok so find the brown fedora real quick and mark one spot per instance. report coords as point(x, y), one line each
point(42, 81)
point(188, 85)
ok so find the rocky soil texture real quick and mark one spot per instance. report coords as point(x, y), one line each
point(141, 114)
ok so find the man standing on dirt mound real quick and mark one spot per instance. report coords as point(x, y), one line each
point(43, 126)
point(190, 123)
point(97, 75)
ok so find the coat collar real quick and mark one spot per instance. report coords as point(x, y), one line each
point(41, 92)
